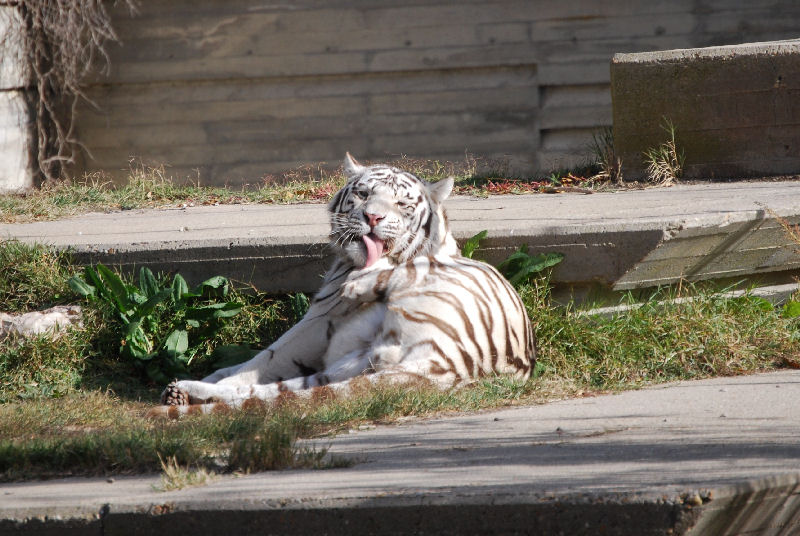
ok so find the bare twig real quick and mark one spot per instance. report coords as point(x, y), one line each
point(62, 42)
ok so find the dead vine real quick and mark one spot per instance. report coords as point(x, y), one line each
point(60, 43)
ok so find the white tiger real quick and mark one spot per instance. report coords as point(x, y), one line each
point(399, 301)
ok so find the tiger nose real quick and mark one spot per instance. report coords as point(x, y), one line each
point(373, 219)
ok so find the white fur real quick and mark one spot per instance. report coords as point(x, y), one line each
point(420, 311)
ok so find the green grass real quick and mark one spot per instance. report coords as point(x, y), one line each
point(150, 187)
point(665, 340)
point(33, 277)
point(71, 406)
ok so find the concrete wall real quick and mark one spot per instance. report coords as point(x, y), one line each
point(17, 141)
point(735, 109)
point(226, 91)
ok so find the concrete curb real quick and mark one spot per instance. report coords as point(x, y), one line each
point(490, 513)
point(751, 507)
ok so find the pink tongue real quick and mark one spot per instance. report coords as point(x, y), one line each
point(374, 248)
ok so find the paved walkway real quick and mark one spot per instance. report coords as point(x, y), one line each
point(721, 454)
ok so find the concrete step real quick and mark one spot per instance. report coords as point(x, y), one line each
point(612, 241)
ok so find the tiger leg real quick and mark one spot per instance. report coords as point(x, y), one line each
point(299, 351)
point(303, 388)
point(234, 395)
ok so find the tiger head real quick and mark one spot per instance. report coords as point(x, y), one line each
point(386, 212)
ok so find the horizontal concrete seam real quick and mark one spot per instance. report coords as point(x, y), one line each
point(323, 77)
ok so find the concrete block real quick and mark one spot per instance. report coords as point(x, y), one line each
point(736, 109)
point(753, 246)
point(14, 73)
point(768, 506)
point(611, 242)
point(17, 142)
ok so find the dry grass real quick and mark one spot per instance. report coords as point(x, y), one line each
point(605, 157)
point(153, 187)
point(175, 476)
point(665, 162)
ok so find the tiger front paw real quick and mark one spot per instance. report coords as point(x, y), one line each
point(356, 290)
point(369, 284)
point(173, 395)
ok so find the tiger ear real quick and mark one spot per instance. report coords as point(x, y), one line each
point(351, 166)
point(441, 190)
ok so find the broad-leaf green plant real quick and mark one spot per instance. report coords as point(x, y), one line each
point(518, 267)
point(192, 316)
point(472, 243)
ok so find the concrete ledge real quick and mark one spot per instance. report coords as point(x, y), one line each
point(758, 507)
point(612, 241)
point(736, 108)
point(493, 513)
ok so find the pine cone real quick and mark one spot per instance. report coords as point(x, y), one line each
point(174, 396)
